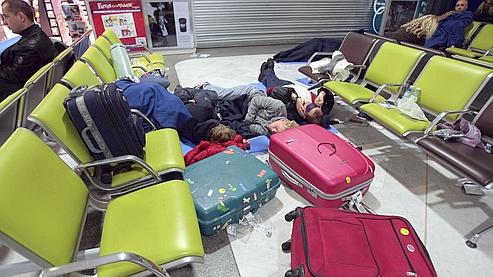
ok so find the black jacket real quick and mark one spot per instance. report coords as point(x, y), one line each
point(203, 110)
point(21, 60)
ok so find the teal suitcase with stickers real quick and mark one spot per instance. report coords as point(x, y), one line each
point(227, 186)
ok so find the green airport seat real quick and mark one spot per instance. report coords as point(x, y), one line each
point(43, 205)
point(81, 74)
point(36, 88)
point(487, 58)
point(139, 65)
point(9, 108)
point(446, 85)
point(61, 64)
point(149, 56)
point(471, 31)
point(480, 44)
point(104, 46)
point(163, 158)
point(99, 64)
point(393, 64)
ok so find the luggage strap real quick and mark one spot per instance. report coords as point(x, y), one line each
point(354, 202)
point(86, 116)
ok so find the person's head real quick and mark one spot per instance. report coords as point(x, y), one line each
point(221, 133)
point(17, 15)
point(461, 6)
point(281, 125)
point(313, 114)
point(486, 8)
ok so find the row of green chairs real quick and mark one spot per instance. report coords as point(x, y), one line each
point(43, 207)
point(36, 87)
point(142, 62)
point(150, 202)
point(481, 45)
point(446, 84)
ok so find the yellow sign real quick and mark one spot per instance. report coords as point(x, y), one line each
point(404, 231)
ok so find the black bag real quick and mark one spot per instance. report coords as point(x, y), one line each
point(104, 121)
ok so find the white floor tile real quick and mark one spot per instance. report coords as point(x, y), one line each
point(406, 183)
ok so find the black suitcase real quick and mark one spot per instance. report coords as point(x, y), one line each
point(104, 121)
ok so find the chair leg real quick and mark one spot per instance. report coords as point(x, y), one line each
point(474, 240)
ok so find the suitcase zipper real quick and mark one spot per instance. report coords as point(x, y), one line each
point(303, 182)
point(411, 273)
point(305, 243)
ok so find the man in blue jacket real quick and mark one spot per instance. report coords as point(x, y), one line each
point(451, 26)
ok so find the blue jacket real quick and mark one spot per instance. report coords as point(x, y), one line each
point(164, 109)
point(450, 31)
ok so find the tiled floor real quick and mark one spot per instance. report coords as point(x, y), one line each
point(407, 182)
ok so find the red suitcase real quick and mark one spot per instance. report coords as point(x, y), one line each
point(320, 166)
point(327, 242)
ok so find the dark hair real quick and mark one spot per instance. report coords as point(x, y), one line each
point(315, 117)
point(16, 6)
point(221, 133)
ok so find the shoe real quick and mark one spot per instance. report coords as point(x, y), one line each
point(262, 69)
point(270, 63)
point(201, 86)
point(358, 120)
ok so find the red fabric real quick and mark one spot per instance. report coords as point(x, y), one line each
point(344, 244)
point(206, 149)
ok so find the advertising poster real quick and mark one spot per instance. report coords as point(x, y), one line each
point(123, 17)
point(73, 17)
point(168, 24)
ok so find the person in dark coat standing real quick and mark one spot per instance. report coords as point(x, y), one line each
point(21, 60)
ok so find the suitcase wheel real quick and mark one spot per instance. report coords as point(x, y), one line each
point(468, 243)
point(293, 273)
point(291, 216)
point(286, 246)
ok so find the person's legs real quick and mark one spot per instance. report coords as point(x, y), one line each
point(7, 88)
point(234, 92)
point(269, 79)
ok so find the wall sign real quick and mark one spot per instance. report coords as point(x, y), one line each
point(168, 23)
point(125, 18)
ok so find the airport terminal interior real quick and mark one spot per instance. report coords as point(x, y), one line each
point(55, 207)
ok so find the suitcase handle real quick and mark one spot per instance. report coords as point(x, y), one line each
point(327, 143)
point(290, 178)
point(88, 141)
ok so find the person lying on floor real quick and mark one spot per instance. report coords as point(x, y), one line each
point(297, 99)
point(264, 115)
point(204, 127)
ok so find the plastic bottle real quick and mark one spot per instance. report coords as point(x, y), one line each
point(408, 92)
point(416, 94)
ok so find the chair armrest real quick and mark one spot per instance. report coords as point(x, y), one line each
point(320, 83)
point(319, 54)
point(382, 87)
point(141, 114)
point(125, 158)
point(488, 51)
point(442, 115)
point(354, 66)
point(108, 259)
point(139, 67)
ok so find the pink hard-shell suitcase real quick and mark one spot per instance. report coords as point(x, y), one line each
point(320, 166)
point(327, 242)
